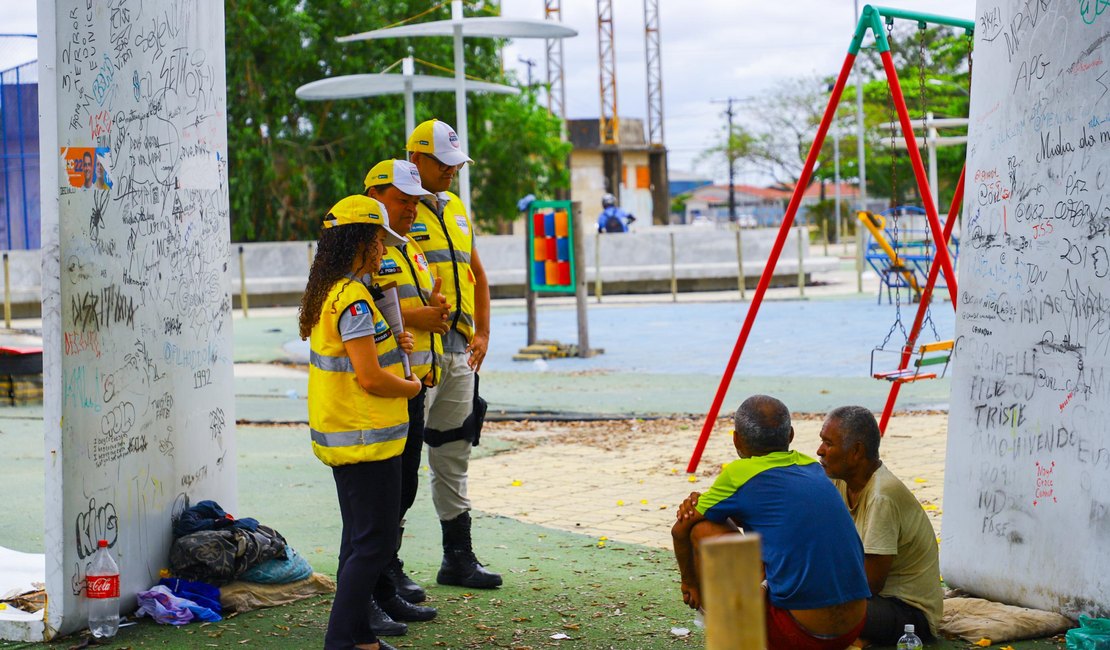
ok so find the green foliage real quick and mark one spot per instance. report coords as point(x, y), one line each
point(942, 60)
point(678, 203)
point(290, 160)
point(518, 152)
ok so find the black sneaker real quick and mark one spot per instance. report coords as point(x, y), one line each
point(400, 609)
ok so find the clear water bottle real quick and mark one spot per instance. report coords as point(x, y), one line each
point(102, 590)
point(909, 640)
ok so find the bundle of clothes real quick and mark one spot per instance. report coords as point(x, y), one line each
point(212, 549)
point(212, 546)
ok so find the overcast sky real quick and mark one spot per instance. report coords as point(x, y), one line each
point(711, 50)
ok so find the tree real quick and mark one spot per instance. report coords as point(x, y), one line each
point(772, 132)
point(777, 129)
point(290, 160)
point(936, 53)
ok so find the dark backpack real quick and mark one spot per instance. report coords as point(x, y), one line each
point(613, 223)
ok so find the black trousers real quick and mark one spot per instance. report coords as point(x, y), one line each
point(369, 503)
point(414, 447)
point(887, 618)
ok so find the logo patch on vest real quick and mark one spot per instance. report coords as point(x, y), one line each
point(381, 331)
point(421, 237)
point(360, 308)
point(463, 225)
point(389, 267)
point(421, 263)
point(419, 227)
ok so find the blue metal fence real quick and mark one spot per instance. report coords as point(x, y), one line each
point(19, 158)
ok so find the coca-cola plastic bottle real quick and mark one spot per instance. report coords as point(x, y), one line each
point(102, 588)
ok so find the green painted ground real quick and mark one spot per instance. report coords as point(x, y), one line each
point(621, 596)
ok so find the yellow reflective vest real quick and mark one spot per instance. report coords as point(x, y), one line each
point(409, 271)
point(348, 424)
point(448, 242)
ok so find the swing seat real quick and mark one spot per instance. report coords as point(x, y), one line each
point(928, 354)
point(905, 376)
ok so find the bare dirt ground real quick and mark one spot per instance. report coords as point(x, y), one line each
point(623, 479)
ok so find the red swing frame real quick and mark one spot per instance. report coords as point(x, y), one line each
point(870, 19)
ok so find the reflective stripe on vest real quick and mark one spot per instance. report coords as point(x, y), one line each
point(411, 273)
point(353, 438)
point(448, 240)
point(348, 424)
point(439, 257)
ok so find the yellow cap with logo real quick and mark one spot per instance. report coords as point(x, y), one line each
point(362, 209)
point(399, 173)
point(438, 139)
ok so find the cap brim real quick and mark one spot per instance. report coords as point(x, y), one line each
point(411, 188)
point(452, 157)
point(391, 237)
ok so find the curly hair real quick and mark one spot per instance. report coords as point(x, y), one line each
point(336, 252)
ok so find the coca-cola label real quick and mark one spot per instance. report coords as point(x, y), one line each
point(102, 586)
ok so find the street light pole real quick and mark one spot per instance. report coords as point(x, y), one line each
point(731, 168)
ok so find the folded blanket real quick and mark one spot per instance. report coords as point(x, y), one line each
point(973, 619)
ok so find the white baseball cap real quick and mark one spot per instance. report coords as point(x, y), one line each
point(438, 139)
point(400, 174)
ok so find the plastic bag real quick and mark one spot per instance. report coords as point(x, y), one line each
point(160, 604)
point(1092, 634)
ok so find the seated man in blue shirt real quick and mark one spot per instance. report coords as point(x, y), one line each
point(613, 218)
point(816, 589)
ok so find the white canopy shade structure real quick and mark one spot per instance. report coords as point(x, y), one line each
point(356, 86)
point(458, 27)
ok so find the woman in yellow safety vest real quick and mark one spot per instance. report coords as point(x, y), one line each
point(357, 406)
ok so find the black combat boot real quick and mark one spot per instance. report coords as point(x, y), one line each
point(404, 585)
point(460, 567)
point(400, 609)
point(382, 623)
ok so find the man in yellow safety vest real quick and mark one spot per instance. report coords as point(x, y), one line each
point(445, 232)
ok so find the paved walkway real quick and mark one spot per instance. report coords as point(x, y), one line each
point(622, 480)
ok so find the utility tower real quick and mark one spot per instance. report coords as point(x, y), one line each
point(657, 154)
point(556, 88)
point(610, 120)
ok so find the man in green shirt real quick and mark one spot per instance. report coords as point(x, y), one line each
point(899, 544)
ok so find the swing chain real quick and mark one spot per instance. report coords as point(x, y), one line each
point(893, 125)
point(922, 91)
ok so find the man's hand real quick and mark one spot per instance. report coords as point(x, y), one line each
point(688, 508)
point(406, 341)
point(428, 319)
point(477, 350)
point(691, 595)
point(438, 300)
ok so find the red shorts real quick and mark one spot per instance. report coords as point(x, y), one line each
point(784, 633)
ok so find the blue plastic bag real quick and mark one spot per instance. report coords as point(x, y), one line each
point(159, 603)
point(1092, 634)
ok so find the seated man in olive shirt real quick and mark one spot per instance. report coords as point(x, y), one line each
point(899, 544)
